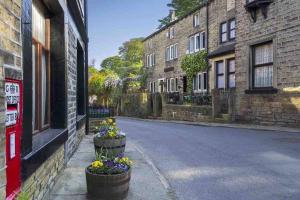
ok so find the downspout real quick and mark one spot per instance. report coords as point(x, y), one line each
point(86, 69)
point(207, 43)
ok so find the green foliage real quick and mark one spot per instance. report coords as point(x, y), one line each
point(192, 64)
point(23, 196)
point(127, 66)
point(181, 7)
point(116, 64)
point(132, 51)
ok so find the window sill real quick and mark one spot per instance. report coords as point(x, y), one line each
point(262, 91)
point(44, 145)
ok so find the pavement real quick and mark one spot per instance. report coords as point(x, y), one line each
point(146, 182)
point(177, 161)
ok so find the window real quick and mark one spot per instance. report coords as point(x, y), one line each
point(228, 31)
point(176, 84)
point(176, 51)
point(168, 85)
point(220, 75)
point(263, 65)
point(151, 87)
point(150, 60)
point(173, 85)
point(196, 42)
point(171, 33)
point(200, 82)
point(192, 44)
point(196, 20)
point(231, 73)
point(224, 32)
point(40, 70)
point(154, 87)
point(172, 52)
point(232, 29)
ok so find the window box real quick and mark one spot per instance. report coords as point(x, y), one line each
point(253, 5)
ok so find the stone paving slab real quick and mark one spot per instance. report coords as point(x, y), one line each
point(145, 183)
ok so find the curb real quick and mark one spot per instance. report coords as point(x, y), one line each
point(211, 124)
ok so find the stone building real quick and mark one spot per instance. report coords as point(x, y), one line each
point(165, 48)
point(253, 53)
point(221, 53)
point(268, 62)
point(10, 67)
point(43, 45)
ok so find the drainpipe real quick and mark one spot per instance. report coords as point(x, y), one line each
point(207, 43)
point(86, 68)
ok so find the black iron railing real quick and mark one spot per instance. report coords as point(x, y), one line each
point(100, 112)
point(195, 99)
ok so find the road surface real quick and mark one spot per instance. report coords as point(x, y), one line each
point(217, 163)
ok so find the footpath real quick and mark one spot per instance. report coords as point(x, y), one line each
point(146, 182)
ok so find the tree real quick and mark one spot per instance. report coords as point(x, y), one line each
point(115, 64)
point(132, 51)
point(181, 7)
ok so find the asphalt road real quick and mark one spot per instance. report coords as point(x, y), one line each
point(215, 163)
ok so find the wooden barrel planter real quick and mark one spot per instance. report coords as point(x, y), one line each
point(108, 187)
point(112, 147)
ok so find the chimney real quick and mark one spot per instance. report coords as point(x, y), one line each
point(173, 15)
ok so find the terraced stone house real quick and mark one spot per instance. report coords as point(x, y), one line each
point(43, 68)
point(253, 55)
point(165, 48)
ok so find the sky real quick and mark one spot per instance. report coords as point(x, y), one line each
point(112, 22)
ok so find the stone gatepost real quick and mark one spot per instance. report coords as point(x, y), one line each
point(216, 104)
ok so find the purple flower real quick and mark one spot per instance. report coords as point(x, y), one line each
point(109, 163)
point(121, 167)
point(120, 155)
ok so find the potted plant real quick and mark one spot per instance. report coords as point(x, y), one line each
point(98, 124)
point(109, 139)
point(109, 178)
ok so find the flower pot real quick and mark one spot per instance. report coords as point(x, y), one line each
point(113, 147)
point(108, 187)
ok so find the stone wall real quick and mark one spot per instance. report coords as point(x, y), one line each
point(136, 105)
point(43, 179)
point(72, 91)
point(187, 113)
point(10, 55)
point(183, 30)
point(282, 26)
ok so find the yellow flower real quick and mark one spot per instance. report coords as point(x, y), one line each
point(97, 164)
point(114, 124)
point(112, 134)
point(110, 121)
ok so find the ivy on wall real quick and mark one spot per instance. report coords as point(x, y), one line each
point(192, 64)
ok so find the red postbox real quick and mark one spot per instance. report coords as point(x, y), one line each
point(13, 122)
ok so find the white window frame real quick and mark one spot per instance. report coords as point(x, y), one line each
point(172, 52)
point(200, 89)
point(171, 88)
point(193, 42)
point(168, 84)
point(175, 50)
